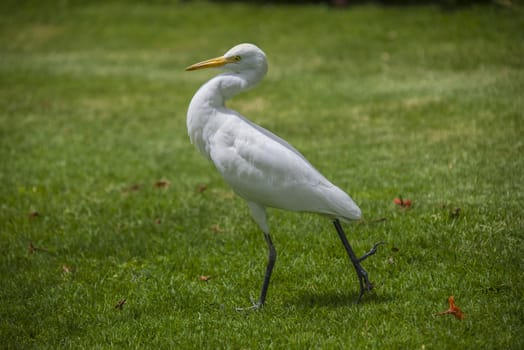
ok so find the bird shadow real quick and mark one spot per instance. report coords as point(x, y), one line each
point(336, 299)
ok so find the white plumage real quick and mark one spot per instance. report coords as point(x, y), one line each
point(259, 166)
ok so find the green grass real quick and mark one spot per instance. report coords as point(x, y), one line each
point(411, 101)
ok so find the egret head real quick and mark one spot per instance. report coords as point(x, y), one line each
point(241, 58)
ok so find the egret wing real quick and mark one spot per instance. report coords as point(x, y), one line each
point(265, 169)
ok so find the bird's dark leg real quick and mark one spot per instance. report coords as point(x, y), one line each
point(361, 273)
point(371, 252)
point(272, 257)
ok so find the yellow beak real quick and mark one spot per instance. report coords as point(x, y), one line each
point(211, 63)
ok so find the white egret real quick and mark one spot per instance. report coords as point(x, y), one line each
point(259, 166)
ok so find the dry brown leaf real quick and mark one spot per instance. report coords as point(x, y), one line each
point(205, 278)
point(217, 229)
point(162, 184)
point(372, 221)
point(201, 188)
point(455, 213)
point(120, 304)
point(33, 249)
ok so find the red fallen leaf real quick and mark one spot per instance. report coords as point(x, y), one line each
point(201, 188)
point(162, 184)
point(453, 309)
point(205, 278)
point(404, 203)
point(34, 215)
point(120, 304)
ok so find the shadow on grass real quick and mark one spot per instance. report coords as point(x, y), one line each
point(335, 299)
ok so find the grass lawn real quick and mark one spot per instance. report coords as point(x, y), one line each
point(109, 216)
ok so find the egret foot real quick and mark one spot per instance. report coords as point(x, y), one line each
point(256, 306)
point(363, 279)
point(371, 251)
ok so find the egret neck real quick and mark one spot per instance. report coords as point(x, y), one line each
point(211, 97)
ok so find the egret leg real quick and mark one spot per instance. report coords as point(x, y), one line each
point(272, 257)
point(365, 284)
